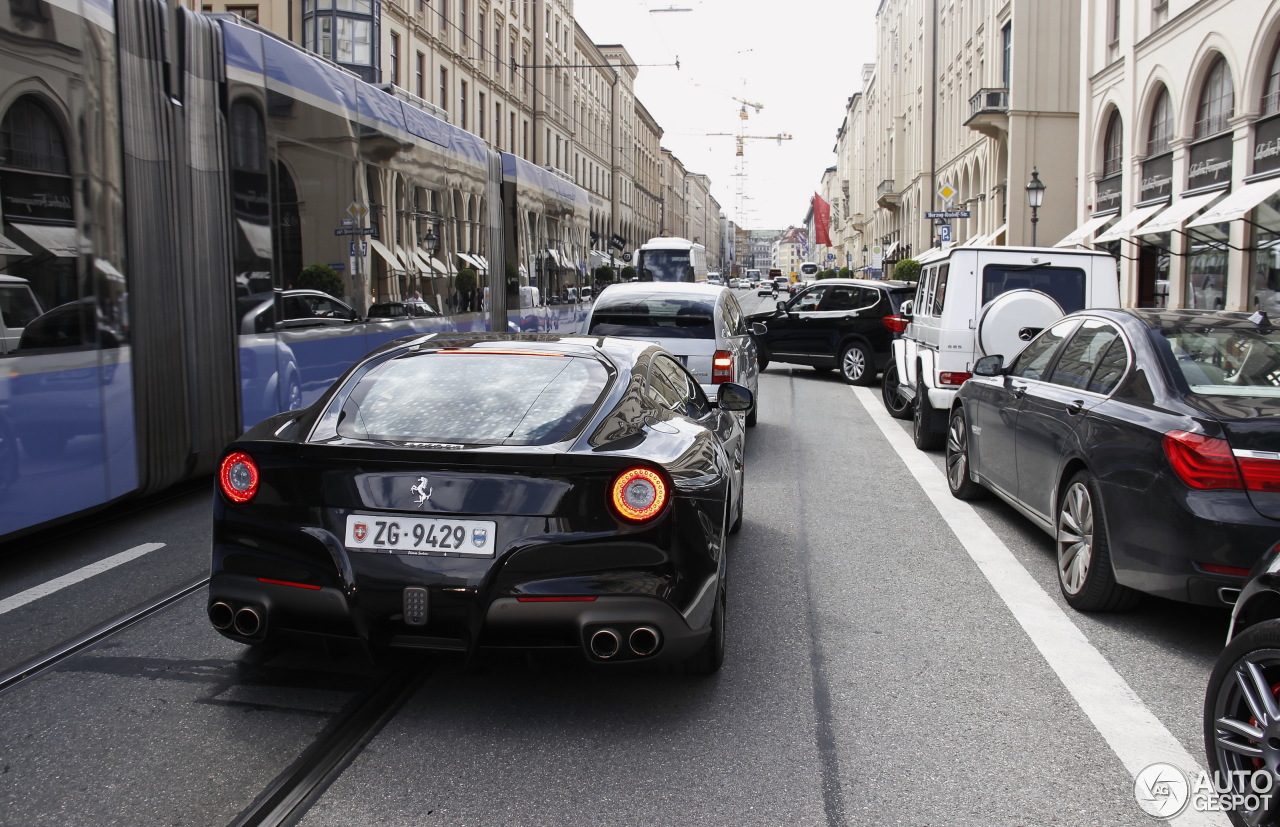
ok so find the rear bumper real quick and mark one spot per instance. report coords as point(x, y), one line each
point(457, 622)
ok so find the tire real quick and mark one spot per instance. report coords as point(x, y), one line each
point(959, 478)
point(897, 407)
point(762, 358)
point(1085, 575)
point(736, 525)
point(751, 417)
point(708, 659)
point(927, 425)
point(1251, 660)
point(857, 367)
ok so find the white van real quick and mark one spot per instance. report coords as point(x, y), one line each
point(18, 307)
point(672, 259)
point(981, 301)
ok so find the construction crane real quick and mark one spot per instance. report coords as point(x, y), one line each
point(780, 137)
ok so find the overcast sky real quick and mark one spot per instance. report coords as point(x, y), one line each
point(799, 59)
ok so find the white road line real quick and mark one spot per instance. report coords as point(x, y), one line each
point(77, 576)
point(1131, 730)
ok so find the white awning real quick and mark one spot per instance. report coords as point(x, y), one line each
point(441, 268)
point(482, 261)
point(995, 238)
point(1238, 203)
point(407, 261)
point(385, 253)
point(976, 241)
point(8, 248)
point(1085, 231)
point(932, 254)
point(424, 263)
point(258, 236)
point(1122, 228)
point(1177, 212)
point(59, 239)
point(889, 252)
point(108, 269)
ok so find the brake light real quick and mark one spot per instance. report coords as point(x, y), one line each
point(238, 477)
point(1214, 568)
point(557, 599)
point(1202, 462)
point(270, 581)
point(947, 377)
point(721, 367)
point(639, 494)
point(896, 324)
point(1261, 473)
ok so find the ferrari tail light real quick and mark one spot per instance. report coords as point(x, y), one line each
point(947, 377)
point(639, 494)
point(896, 324)
point(721, 367)
point(238, 477)
point(1214, 568)
point(1202, 462)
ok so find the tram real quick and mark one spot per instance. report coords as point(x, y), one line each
point(166, 179)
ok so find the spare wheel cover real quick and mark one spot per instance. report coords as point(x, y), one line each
point(1012, 319)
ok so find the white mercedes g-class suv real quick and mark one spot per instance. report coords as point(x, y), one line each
point(979, 301)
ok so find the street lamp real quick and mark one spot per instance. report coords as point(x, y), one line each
point(1035, 198)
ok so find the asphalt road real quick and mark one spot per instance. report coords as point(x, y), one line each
point(882, 669)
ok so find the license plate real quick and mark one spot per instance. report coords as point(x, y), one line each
point(420, 535)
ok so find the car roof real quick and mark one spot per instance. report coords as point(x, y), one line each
point(1157, 318)
point(13, 280)
point(624, 351)
point(683, 288)
point(889, 284)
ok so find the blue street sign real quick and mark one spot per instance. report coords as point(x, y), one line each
point(944, 233)
point(831, 256)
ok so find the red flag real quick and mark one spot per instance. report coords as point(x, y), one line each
point(821, 220)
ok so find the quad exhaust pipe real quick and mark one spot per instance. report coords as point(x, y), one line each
point(221, 616)
point(248, 622)
point(605, 643)
point(644, 641)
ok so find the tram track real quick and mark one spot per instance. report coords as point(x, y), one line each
point(38, 665)
point(293, 792)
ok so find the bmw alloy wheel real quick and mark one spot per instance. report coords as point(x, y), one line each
point(1075, 538)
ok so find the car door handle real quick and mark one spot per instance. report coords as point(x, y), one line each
point(1019, 391)
point(1075, 406)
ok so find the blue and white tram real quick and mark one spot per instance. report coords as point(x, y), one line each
point(165, 177)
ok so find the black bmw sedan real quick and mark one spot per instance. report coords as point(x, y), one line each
point(1146, 442)
point(460, 491)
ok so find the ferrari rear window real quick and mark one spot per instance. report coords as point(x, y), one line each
point(654, 316)
point(473, 397)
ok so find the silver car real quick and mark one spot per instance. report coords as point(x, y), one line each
point(701, 324)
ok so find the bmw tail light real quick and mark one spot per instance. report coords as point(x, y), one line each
point(1202, 462)
point(1261, 472)
point(896, 324)
point(639, 494)
point(238, 477)
point(721, 367)
point(955, 378)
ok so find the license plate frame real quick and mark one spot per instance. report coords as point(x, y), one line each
point(420, 536)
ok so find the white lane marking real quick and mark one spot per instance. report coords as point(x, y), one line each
point(77, 576)
point(1134, 734)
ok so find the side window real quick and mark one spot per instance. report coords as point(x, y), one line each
point(1111, 368)
point(663, 389)
point(733, 315)
point(1034, 360)
point(940, 291)
point(809, 299)
point(922, 292)
point(1080, 355)
point(844, 297)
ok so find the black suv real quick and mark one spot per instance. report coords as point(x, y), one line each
point(836, 323)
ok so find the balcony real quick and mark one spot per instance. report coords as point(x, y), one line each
point(857, 221)
point(989, 112)
point(886, 196)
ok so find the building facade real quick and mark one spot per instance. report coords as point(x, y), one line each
point(1180, 158)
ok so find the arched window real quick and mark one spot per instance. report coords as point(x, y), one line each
point(1161, 133)
point(1113, 146)
point(31, 139)
point(1217, 101)
point(1271, 94)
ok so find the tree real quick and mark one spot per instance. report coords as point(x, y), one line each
point(465, 283)
point(907, 270)
point(846, 273)
point(604, 274)
point(321, 277)
point(628, 273)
